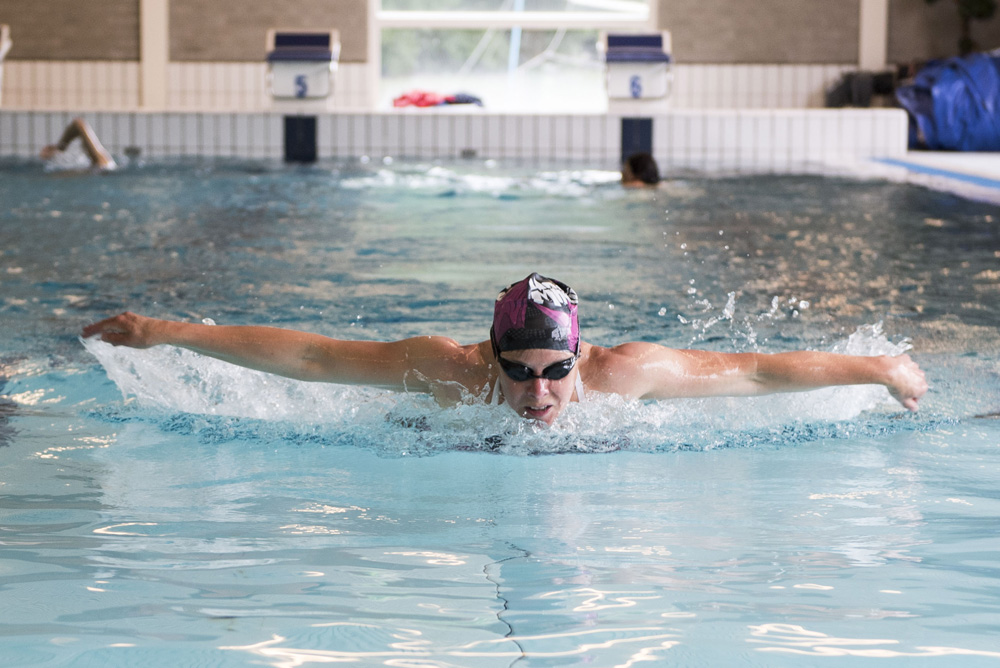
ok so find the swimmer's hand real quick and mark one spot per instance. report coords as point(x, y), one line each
point(126, 329)
point(50, 152)
point(905, 381)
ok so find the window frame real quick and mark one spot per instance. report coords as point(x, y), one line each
point(379, 19)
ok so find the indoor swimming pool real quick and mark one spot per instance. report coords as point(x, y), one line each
point(162, 509)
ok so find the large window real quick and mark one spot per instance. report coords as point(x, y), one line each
point(515, 55)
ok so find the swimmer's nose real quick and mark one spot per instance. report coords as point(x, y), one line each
point(539, 387)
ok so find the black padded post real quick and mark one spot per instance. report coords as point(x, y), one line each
point(637, 136)
point(300, 139)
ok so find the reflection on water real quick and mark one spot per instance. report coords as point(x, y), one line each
point(407, 648)
point(793, 639)
point(527, 559)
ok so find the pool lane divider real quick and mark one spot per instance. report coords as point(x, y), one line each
point(981, 181)
point(300, 139)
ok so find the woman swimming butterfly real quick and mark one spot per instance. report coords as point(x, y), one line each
point(534, 360)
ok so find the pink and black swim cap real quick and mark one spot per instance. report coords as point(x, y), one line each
point(537, 312)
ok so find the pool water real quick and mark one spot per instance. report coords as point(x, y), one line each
point(158, 508)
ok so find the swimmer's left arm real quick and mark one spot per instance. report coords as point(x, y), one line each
point(657, 372)
point(807, 370)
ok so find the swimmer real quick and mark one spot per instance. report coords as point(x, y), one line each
point(640, 169)
point(99, 157)
point(534, 360)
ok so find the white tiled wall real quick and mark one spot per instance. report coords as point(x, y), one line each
point(111, 86)
point(242, 87)
point(753, 86)
point(776, 140)
point(107, 85)
point(787, 140)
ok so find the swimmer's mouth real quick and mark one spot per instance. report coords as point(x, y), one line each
point(536, 412)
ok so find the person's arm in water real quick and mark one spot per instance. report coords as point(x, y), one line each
point(411, 364)
point(5, 41)
point(650, 371)
point(98, 155)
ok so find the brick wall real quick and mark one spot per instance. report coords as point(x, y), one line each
point(759, 31)
point(918, 31)
point(72, 29)
point(234, 30)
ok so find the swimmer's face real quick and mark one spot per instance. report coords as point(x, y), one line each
point(538, 398)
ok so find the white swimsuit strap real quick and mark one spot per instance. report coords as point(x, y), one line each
point(579, 388)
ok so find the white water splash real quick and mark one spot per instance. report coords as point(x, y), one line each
point(176, 379)
point(563, 183)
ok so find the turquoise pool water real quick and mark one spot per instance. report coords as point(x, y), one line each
point(157, 508)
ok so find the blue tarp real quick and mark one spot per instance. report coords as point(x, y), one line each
point(954, 104)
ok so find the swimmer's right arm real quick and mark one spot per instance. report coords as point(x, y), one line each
point(408, 364)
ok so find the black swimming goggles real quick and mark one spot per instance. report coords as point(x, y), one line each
point(519, 373)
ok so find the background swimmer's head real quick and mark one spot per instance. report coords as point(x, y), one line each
point(640, 168)
point(537, 312)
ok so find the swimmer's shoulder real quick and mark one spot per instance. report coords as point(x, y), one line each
point(449, 360)
point(623, 354)
point(446, 347)
point(598, 366)
point(621, 369)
